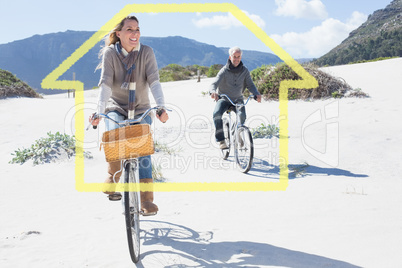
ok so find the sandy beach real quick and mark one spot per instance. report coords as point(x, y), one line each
point(342, 206)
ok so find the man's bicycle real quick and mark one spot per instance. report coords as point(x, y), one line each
point(238, 136)
point(126, 144)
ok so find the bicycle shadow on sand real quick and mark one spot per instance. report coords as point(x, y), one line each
point(184, 247)
point(262, 168)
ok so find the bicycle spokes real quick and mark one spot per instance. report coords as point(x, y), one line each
point(244, 149)
point(132, 214)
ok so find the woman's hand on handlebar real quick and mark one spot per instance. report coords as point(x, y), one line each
point(258, 98)
point(162, 116)
point(94, 119)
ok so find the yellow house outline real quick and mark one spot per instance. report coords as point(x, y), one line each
point(307, 82)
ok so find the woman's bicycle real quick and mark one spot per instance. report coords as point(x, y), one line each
point(238, 136)
point(129, 166)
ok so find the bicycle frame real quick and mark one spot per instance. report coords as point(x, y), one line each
point(242, 146)
point(129, 168)
point(237, 123)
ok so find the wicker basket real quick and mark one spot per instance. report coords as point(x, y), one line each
point(128, 142)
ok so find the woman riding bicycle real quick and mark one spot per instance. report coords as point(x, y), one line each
point(127, 65)
point(231, 80)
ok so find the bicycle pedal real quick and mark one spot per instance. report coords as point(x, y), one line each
point(147, 214)
point(115, 197)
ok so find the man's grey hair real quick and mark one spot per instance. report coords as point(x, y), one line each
point(233, 50)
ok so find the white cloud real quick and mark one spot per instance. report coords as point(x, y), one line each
point(226, 21)
point(357, 19)
point(320, 39)
point(257, 19)
point(313, 9)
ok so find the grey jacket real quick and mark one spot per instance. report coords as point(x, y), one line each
point(233, 84)
point(146, 73)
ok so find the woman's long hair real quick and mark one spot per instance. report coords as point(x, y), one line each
point(112, 38)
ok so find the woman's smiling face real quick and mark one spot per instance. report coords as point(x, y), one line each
point(129, 35)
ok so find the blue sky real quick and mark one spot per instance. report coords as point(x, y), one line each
point(304, 28)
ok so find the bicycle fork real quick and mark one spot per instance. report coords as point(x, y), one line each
point(233, 127)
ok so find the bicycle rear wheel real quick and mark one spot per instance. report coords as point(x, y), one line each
point(226, 132)
point(132, 213)
point(244, 149)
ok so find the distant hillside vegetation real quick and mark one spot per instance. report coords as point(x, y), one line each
point(175, 72)
point(33, 58)
point(11, 86)
point(379, 36)
point(268, 79)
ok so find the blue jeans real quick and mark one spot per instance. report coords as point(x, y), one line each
point(222, 105)
point(144, 162)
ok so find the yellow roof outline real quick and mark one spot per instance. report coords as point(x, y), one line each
point(307, 82)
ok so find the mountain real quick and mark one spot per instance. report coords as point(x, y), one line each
point(33, 58)
point(379, 36)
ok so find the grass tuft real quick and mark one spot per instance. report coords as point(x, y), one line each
point(265, 131)
point(46, 150)
point(160, 147)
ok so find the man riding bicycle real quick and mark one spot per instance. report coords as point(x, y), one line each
point(231, 80)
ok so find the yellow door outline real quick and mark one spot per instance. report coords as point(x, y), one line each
point(307, 82)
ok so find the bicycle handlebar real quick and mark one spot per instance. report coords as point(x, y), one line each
point(159, 109)
point(238, 104)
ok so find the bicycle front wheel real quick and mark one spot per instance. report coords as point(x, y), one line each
point(244, 149)
point(132, 213)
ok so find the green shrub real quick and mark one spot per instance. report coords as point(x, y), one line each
point(268, 79)
point(47, 149)
point(213, 70)
point(175, 72)
point(336, 95)
point(172, 72)
point(264, 131)
point(11, 86)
